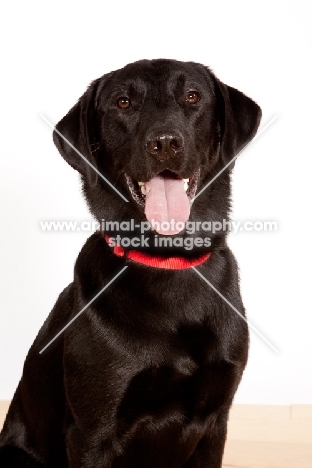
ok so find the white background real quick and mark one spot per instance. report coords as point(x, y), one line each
point(50, 51)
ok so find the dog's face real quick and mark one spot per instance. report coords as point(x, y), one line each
point(157, 130)
point(159, 116)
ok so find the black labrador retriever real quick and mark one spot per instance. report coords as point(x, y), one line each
point(145, 376)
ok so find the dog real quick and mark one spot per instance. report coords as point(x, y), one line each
point(146, 375)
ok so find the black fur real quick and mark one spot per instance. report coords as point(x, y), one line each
point(145, 376)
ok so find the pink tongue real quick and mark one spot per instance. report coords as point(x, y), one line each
point(167, 207)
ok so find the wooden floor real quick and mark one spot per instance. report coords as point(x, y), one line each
point(269, 437)
point(262, 436)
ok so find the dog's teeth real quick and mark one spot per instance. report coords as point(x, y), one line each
point(142, 187)
point(185, 183)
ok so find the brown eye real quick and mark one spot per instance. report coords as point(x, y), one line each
point(123, 102)
point(192, 97)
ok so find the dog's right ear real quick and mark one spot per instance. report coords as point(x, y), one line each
point(79, 128)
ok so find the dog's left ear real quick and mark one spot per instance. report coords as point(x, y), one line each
point(239, 118)
point(79, 128)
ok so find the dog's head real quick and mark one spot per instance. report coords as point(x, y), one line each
point(158, 131)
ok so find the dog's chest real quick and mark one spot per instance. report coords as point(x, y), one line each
point(179, 378)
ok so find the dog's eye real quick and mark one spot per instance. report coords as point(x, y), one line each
point(192, 97)
point(123, 102)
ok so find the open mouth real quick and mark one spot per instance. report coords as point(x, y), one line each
point(165, 199)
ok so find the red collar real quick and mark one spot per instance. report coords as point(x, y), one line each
point(168, 263)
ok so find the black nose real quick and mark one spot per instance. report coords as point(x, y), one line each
point(165, 145)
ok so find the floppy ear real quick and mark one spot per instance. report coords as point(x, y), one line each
point(239, 120)
point(79, 128)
